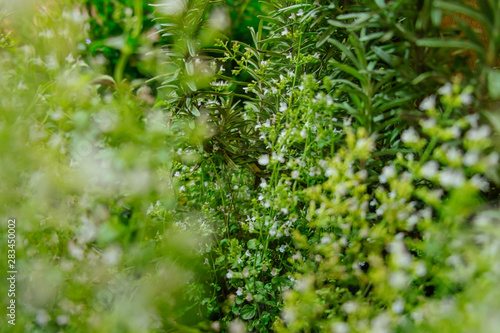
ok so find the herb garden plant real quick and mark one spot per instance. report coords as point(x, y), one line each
point(241, 166)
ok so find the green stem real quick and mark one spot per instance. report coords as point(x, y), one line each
point(297, 66)
point(131, 40)
point(434, 140)
point(222, 198)
point(120, 66)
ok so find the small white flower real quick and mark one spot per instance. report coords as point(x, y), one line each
point(150, 209)
point(452, 178)
point(42, 318)
point(62, 320)
point(284, 32)
point(239, 292)
point(401, 256)
point(492, 159)
point(410, 136)
point(340, 328)
point(341, 189)
point(215, 326)
point(388, 172)
point(455, 131)
point(70, 58)
point(426, 213)
point(349, 307)
point(471, 158)
point(280, 158)
point(398, 306)
point(381, 324)
point(483, 220)
point(454, 260)
point(75, 251)
point(437, 193)
point(229, 274)
point(264, 159)
point(428, 123)
point(295, 174)
point(300, 12)
point(112, 255)
point(283, 107)
point(274, 272)
point(398, 280)
point(473, 119)
point(446, 90)
point(236, 326)
point(429, 169)
point(412, 221)
point(429, 103)
point(466, 98)
point(303, 133)
point(480, 183)
point(380, 211)
point(477, 134)
point(420, 269)
point(364, 144)
point(329, 100)
point(263, 183)
point(454, 154)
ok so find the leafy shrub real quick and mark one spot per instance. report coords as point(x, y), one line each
point(330, 170)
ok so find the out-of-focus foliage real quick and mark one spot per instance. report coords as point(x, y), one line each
point(80, 168)
point(121, 34)
point(232, 166)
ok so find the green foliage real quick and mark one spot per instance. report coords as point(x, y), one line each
point(81, 168)
point(121, 34)
point(275, 166)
